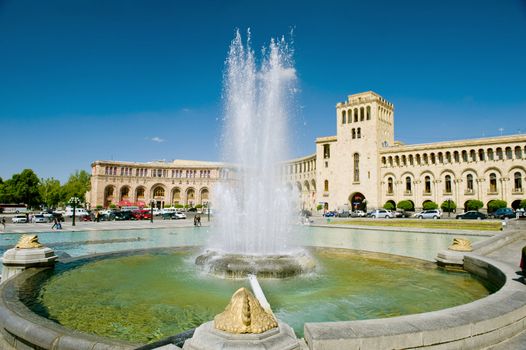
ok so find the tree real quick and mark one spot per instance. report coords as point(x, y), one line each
point(496, 204)
point(21, 188)
point(78, 184)
point(429, 205)
point(50, 192)
point(474, 204)
point(389, 205)
point(319, 207)
point(448, 206)
point(405, 205)
point(523, 204)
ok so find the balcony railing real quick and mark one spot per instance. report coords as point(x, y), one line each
point(517, 191)
point(408, 193)
point(426, 193)
point(469, 192)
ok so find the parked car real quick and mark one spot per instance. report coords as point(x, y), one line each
point(329, 214)
point(179, 215)
point(429, 214)
point(192, 209)
point(397, 214)
point(343, 214)
point(143, 214)
point(86, 217)
point(19, 219)
point(80, 212)
point(472, 214)
point(358, 214)
point(39, 218)
point(380, 213)
point(503, 213)
point(124, 215)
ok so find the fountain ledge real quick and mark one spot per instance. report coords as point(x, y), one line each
point(470, 326)
point(476, 325)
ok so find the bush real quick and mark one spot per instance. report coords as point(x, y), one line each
point(178, 206)
point(198, 206)
point(523, 204)
point(429, 205)
point(474, 204)
point(113, 206)
point(319, 207)
point(99, 207)
point(448, 206)
point(389, 206)
point(405, 205)
point(496, 204)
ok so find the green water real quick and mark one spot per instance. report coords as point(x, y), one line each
point(144, 298)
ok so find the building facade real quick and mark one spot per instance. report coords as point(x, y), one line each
point(361, 167)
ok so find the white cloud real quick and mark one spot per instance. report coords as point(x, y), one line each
point(156, 139)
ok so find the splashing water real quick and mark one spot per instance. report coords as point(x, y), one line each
point(255, 208)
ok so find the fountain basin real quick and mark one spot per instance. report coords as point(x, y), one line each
point(264, 266)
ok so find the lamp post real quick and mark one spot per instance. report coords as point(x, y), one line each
point(152, 203)
point(74, 201)
point(208, 210)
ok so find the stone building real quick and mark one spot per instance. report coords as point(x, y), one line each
point(362, 166)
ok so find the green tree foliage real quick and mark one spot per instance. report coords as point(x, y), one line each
point(429, 205)
point(21, 188)
point(389, 206)
point(405, 205)
point(77, 185)
point(523, 204)
point(448, 206)
point(496, 204)
point(319, 207)
point(474, 204)
point(50, 192)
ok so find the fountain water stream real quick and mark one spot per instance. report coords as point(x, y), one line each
point(256, 209)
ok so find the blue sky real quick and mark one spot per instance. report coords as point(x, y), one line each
point(142, 80)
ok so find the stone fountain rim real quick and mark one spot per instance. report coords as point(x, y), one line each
point(20, 322)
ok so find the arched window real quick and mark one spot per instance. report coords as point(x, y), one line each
point(397, 160)
point(343, 117)
point(368, 112)
point(469, 183)
point(448, 184)
point(500, 156)
point(456, 157)
point(356, 114)
point(518, 152)
point(359, 133)
point(509, 153)
point(356, 167)
point(390, 185)
point(440, 158)
point(411, 160)
point(464, 156)
point(362, 114)
point(425, 159)
point(353, 133)
point(408, 184)
point(404, 160)
point(482, 156)
point(326, 185)
point(326, 151)
point(418, 162)
point(427, 184)
point(384, 161)
point(473, 155)
point(490, 154)
point(140, 193)
point(448, 157)
point(433, 160)
point(390, 161)
point(158, 192)
point(493, 182)
point(517, 182)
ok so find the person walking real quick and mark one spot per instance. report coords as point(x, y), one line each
point(3, 223)
point(55, 223)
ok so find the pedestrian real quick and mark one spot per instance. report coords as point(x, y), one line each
point(55, 223)
point(3, 223)
point(195, 220)
point(198, 220)
point(523, 261)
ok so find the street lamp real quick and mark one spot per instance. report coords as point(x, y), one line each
point(152, 203)
point(74, 201)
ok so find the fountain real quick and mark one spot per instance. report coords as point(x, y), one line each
point(254, 226)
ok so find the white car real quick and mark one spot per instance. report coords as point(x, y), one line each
point(358, 214)
point(179, 215)
point(380, 213)
point(167, 211)
point(19, 219)
point(39, 218)
point(429, 214)
point(78, 212)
